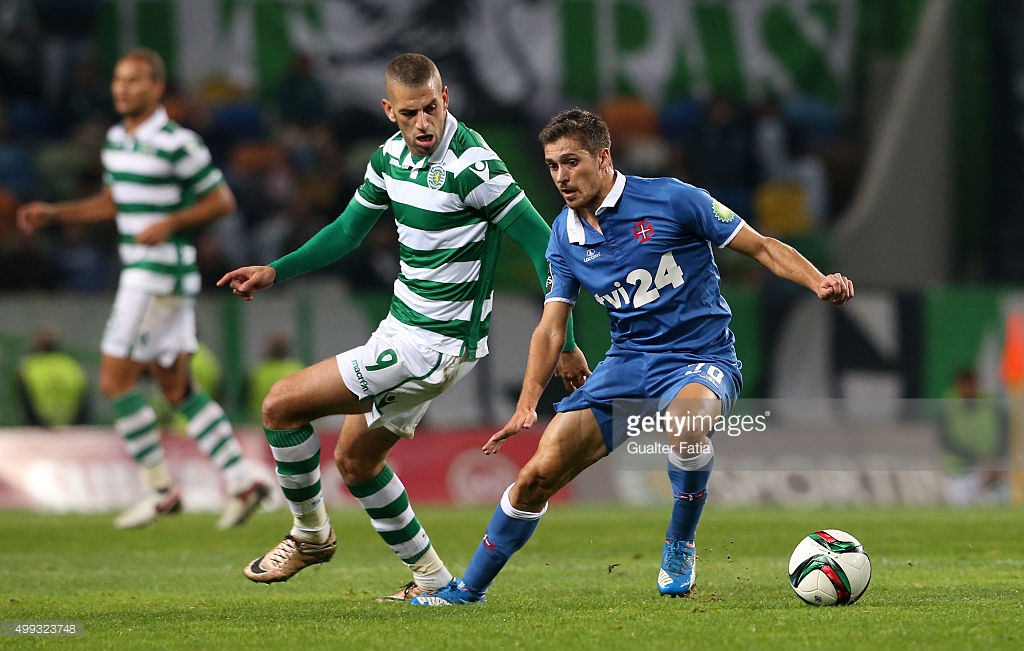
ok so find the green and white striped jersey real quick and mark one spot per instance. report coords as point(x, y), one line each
point(159, 169)
point(448, 207)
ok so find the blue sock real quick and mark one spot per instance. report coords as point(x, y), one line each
point(690, 488)
point(506, 534)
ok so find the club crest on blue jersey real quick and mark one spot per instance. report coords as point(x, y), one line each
point(642, 231)
point(435, 177)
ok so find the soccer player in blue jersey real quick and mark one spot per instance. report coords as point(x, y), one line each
point(642, 248)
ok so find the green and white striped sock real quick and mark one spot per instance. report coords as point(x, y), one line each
point(386, 502)
point(297, 453)
point(208, 425)
point(136, 423)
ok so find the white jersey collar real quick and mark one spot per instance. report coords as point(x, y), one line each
point(574, 225)
point(152, 125)
point(451, 124)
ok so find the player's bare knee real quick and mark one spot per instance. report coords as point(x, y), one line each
point(110, 389)
point(113, 386)
point(688, 439)
point(176, 394)
point(341, 459)
point(358, 464)
point(277, 409)
point(351, 467)
point(535, 486)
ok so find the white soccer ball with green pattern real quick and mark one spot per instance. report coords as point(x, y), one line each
point(829, 567)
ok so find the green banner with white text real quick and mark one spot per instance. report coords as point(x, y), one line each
point(503, 56)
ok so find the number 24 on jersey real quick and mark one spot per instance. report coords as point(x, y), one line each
point(647, 284)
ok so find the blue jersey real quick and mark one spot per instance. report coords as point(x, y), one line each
point(652, 266)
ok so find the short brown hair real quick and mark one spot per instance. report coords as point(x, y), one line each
point(157, 69)
point(412, 69)
point(584, 126)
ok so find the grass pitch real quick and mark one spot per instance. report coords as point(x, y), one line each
point(941, 579)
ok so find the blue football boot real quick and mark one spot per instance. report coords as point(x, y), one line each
point(678, 568)
point(453, 594)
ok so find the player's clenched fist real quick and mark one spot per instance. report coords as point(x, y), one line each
point(35, 215)
point(836, 288)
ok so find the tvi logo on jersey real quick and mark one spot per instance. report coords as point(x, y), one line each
point(648, 285)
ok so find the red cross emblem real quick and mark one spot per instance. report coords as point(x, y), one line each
point(642, 231)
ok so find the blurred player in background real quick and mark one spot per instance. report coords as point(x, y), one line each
point(643, 248)
point(452, 199)
point(152, 168)
point(973, 430)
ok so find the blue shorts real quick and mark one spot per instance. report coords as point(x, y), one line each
point(651, 379)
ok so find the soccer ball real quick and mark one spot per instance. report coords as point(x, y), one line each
point(829, 567)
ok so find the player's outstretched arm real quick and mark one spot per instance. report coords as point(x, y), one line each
point(33, 216)
point(96, 208)
point(786, 262)
point(246, 281)
point(545, 351)
point(329, 245)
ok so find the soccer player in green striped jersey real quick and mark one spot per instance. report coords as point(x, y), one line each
point(152, 168)
point(452, 199)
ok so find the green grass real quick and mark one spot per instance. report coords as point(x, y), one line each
point(942, 579)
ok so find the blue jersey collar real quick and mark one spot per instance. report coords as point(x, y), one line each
point(574, 225)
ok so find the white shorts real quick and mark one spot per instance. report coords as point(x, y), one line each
point(401, 377)
point(150, 328)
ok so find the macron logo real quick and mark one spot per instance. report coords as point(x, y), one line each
point(591, 254)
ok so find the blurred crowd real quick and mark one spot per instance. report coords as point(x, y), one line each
point(293, 165)
point(787, 165)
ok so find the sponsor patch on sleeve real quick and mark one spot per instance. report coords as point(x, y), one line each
point(722, 211)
